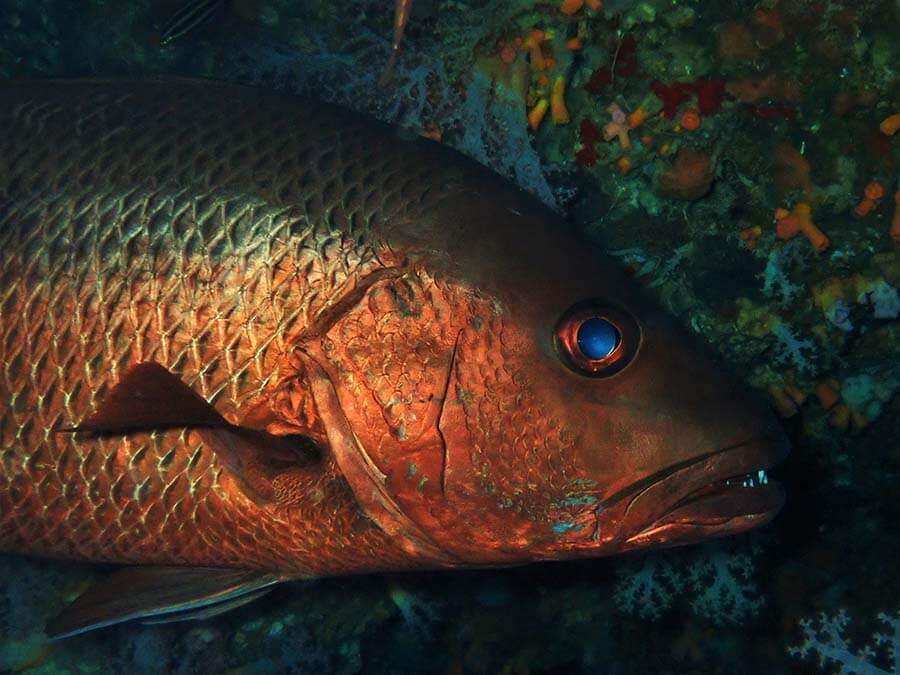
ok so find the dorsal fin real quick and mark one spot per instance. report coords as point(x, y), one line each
point(150, 397)
point(158, 592)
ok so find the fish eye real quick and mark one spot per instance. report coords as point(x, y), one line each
point(595, 339)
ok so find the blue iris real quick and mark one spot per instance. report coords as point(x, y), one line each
point(597, 338)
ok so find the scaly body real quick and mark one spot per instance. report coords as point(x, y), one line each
point(273, 339)
point(107, 260)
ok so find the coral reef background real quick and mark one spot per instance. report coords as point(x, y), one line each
point(741, 158)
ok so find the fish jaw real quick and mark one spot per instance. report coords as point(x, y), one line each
point(716, 495)
point(707, 497)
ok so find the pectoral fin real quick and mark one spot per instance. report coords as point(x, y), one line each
point(160, 594)
point(270, 468)
point(150, 397)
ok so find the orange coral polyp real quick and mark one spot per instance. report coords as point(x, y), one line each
point(890, 125)
point(637, 117)
point(864, 208)
point(690, 120)
point(829, 393)
point(558, 110)
point(537, 113)
point(750, 236)
point(874, 190)
point(799, 221)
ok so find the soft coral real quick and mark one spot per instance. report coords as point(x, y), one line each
point(709, 93)
point(623, 57)
point(588, 156)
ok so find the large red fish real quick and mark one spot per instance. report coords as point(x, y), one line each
point(245, 338)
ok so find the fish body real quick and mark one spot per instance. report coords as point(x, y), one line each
point(108, 261)
point(245, 332)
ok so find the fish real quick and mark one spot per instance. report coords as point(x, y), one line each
point(247, 338)
point(192, 14)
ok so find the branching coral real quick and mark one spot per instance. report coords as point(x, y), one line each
point(824, 638)
point(716, 580)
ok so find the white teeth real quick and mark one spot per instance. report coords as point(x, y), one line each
point(748, 481)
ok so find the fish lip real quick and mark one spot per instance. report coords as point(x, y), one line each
point(694, 503)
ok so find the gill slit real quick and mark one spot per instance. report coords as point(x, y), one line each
point(445, 458)
point(326, 317)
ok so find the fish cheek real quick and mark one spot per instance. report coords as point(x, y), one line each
point(621, 426)
point(521, 451)
point(436, 383)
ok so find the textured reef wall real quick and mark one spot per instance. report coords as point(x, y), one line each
point(741, 158)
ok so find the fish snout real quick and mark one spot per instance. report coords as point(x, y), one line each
point(720, 492)
point(715, 440)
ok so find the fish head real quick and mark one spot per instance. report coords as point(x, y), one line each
point(520, 398)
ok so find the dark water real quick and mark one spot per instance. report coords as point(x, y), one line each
point(790, 95)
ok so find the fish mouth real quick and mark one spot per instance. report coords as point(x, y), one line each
point(721, 493)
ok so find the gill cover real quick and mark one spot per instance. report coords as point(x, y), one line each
point(368, 483)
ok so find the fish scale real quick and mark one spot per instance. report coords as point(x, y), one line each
point(245, 331)
point(106, 260)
